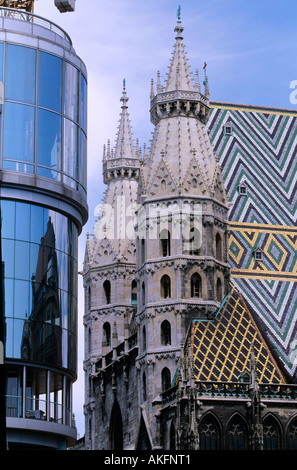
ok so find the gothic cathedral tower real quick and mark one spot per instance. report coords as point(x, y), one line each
point(182, 245)
point(110, 261)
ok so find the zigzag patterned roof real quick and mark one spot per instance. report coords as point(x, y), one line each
point(221, 348)
point(261, 152)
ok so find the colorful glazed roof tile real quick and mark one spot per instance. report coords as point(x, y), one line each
point(221, 347)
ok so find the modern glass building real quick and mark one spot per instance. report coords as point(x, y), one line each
point(43, 152)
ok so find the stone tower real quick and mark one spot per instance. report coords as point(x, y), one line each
point(110, 258)
point(182, 244)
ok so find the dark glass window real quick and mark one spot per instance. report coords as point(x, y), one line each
point(83, 160)
point(49, 139)
point(209, 434)
point(83, 103)
point(271, 435)
point(165, 286)
point(195, 285)
point(50, 81)
point(20, 74)
point(166, 379)
point(165, 333)
point(236, 436)
point(165, 242)
point(19, 124)
point(106, 288)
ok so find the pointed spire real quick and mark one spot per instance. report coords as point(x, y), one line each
point(179, 71)
point(124, 145)
point(123, 160)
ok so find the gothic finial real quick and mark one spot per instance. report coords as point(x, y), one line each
point(152, 89)
point(124, 97)
point(197, 84)
point(179, 29)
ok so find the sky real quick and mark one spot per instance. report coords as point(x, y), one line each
point(250, 51)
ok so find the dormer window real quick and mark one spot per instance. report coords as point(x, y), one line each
point(242, 189)
point(228, 129)
point(258, 254)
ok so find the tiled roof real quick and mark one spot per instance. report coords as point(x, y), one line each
point(222, 347)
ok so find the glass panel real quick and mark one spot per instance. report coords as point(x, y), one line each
point(54, 175)
point(83, 160)
point(22, 221)
point(70, 148)
point(20, 74)
point(49, 139)
point(83, 103)
point(18, 166)
point(22, 260)
point(21, 299)
point(71, 92)
point(37, 231)
point(9, 296)
point(50, 81)
point(1, 73)
point(9, 337)
point(8, 257)
point(19, 132)
point(8, 218)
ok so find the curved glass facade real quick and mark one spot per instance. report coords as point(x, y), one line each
point(44, 115)
point(39, 249)
point(43, 152)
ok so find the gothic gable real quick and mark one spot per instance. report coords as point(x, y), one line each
point(163, 183)
point(194, 182)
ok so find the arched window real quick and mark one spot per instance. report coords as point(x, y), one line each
point(237, 435)
point(142, 250)
point(172, 439)
point(165, 242)
point(144, 386)
point(89, 339)
point(143, 338)
point(165, 333)
point(116, 428)
point(209, 434)
point(218, 246)
point(271, 434)
point(134, 293)
point(196, 285)
point(106, 288)
point(163, 185)
point(106, 334)
point(194, 241)
point(89, 298)
point(143, 293)
point(165, 287)
point(219, 290)
point(292, 436)
point(166, 379)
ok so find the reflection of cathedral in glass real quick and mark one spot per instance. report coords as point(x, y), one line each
point(43, 338)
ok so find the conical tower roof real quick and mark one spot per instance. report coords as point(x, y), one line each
point(180, 145)
point(121, 168)
point(179, 76)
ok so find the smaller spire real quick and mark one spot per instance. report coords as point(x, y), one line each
point(152, 90)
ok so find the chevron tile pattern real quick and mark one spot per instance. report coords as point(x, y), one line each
point(222, 347)
point(257, 150)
